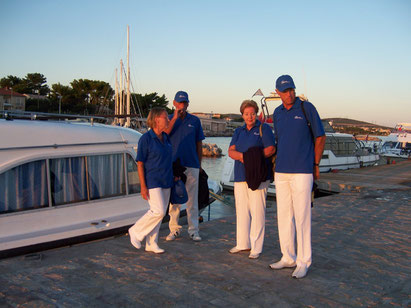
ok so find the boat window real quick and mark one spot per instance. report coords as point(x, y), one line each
point(106, 175)
point(132, 176)
point(72, 179)
point(68, 180)
point(340, 146)
point(24, 187)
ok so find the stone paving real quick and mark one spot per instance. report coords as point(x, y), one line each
point(361, 258)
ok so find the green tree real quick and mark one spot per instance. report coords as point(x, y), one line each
point(92, 94)
point(16, 83)
point(148, 101)
point(36, 83)
point(64, 95)
point(33, 83)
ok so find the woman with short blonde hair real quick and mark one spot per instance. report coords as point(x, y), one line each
point(154, 163)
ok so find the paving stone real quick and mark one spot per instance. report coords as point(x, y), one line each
point(361, 257)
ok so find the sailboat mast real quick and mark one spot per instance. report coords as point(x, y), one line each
point(128, 76)
point(116, 105)
point(121, 111)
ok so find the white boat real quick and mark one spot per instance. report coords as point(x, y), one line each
point(341, 152)
point(62, 182)
point(398, 142)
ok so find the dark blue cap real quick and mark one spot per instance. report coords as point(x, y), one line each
point(178, 193)
point(284, 82)
point(181, 96)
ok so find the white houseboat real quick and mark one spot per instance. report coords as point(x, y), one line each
point(65, 181)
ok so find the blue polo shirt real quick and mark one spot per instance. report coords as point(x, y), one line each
point(295, 147)
point(184, 137)
point(156, 156)
point(243, 139)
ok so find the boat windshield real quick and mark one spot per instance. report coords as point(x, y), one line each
point(389, 145)
point(341, 145)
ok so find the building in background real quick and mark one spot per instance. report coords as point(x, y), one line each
point(10, 100)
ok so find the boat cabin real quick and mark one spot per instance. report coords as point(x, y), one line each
point(64, 179)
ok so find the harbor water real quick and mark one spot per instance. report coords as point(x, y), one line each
point(214, 166)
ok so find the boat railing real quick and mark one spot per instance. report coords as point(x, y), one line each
point(29, 115)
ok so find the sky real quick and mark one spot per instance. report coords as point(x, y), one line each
point(351, 58)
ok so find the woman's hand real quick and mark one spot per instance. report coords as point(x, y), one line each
point(144, 193)
point(234, 154)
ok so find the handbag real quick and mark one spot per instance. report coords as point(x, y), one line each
point(272, 157)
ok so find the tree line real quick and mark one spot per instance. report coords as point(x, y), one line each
point(81, 96)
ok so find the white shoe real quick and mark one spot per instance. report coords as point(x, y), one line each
point(236, 250)
point(155, 249)
point(136, 243)
point(195, 237)
point(253, 255)
point(300, 272)
point(173, 235)
point(281, 264)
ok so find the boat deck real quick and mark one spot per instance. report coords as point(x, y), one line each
point(361, 253)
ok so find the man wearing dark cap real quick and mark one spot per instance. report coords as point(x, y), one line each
point(299, 151)
point(186, 135)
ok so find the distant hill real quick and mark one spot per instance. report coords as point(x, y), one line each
point(344, 121)
point(356, 127)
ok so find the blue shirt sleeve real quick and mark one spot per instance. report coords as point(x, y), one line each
point(200, 133)
point(268, 136)
point(142, 150)
point(316, 124)
point(234, 138)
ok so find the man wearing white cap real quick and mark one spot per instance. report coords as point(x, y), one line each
point(299, 151)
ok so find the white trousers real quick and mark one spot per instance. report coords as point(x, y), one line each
point(148, 226)
point(250, 211)
point(191, 205)
point(293, 192)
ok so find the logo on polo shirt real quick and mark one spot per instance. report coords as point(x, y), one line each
point(298, 118)
point(256, 133)
point(190, 125)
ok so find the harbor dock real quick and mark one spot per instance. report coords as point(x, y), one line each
point(361, 258)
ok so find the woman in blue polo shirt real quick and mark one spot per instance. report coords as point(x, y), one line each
point(250, 204)
point(154, 162)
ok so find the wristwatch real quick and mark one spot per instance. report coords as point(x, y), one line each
point(316, 164)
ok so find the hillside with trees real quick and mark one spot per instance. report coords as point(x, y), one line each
point(356, 127)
